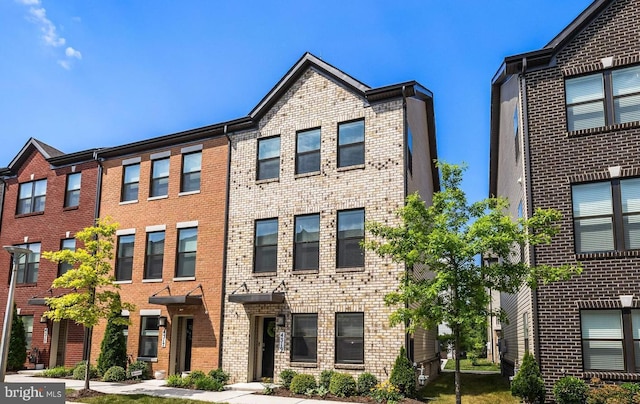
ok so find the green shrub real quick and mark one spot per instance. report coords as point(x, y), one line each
point(403, 376)
point(286, 376)
point(17, 343)
point(325, 378)
point(527, 383)
point(609, 394)
point(176, 380)
point(301, 383)
point(79, 371)
point(366, 382)
point(322, 391)
point(386, 392)
point(208, 383)
point(57, 372)
point(113, 348)
point(342, 385)
point(219, 375)
point(570, 390)
point(196, 374)
point(115, 374)
point(139, 365)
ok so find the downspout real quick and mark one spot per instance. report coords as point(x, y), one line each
point(407, 338)
point(225, 243)
point(4, 190)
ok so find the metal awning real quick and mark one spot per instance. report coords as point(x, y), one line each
point(186, 299)
point(256, 298)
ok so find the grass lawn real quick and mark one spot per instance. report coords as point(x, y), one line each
point(133, 399)
point(476, 389)
point(465, 364)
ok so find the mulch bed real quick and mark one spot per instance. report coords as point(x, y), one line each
point(81, 394)
point(353, 399)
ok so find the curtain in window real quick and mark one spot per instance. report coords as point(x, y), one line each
point(602, 340)
point(593, 217)
point(626, 92)
point(585, 102)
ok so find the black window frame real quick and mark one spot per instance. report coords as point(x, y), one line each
point(28, 265)
point(182, 255)
point(301, 247)
point(33, 199)
point(63, 267)
point(151, 258)
point(156, 185)
point(148, 334)
point(72, 196)
point(350, 340)
point(129, 186)
point(300, 155)
point(360, 144)
point(309, 342)
point(124, 262)
point(342, 261)
point(258, 247)
point(185, 176)
point(260, 161)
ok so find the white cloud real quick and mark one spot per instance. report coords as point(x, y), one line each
point(49, 33)
point(29, 2)
point(72, 53)
point(65, 64)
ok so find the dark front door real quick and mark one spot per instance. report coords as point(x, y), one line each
point(188, 342)
point(268, 346)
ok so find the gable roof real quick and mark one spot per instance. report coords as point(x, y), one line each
point(33, 143)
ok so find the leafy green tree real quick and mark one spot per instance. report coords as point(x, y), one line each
point(17, 343)
point(443, 242)
point(113, 349)
point(92, 294)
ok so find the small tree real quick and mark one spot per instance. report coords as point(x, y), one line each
point(113, 349)
point(17, 343)
point(403, 375)
point(527, 383)
point(91, 295)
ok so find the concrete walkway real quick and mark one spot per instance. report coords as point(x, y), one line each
point(241, 393)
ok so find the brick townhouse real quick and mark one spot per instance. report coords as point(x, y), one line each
point(47, 196)
point(324, 154)
point(565, 129)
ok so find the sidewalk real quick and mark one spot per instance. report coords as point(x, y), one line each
point(241, 393)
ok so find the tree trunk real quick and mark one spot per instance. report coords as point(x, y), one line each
point(89, 334)
point(456, 334)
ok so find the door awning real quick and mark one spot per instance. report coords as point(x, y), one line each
point(172, 300)
point(257, 298)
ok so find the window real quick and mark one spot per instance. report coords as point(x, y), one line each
point(308, 151)
point(607, 335)
point(28, 264)
point(159, 177)
point(307, 242)
point(187, 247)
point(606, 215)
point(27, 322)
point(125, 331)
point(124, 262)
point(350, 143)
point(304, 338)
point(191, 168)
point(130, 182)
point(268, 158)
point(266, 246)
point(32, 197)
point(525, 330)
point(516, 131)
point(349, 337)
point(350, 234)
point(72, 193)
point(155, 254)
point(149, 337)
point(66, 244)
point(604, 98)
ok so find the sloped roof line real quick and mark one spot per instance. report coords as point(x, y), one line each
point(46, 150)
point(576, 26)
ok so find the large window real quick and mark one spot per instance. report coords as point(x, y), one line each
point(606, 215)
point(266, 246)
point(130, 182)
point(268, 158)
point(191, 168)
point(604, 98)
point(124, 262)
point(159, 177)
point(72, 192)
point(308, 151)
point(611, 340)
point(349, 337)
point(154, 256)
point(31, 197)
point(350, 234)
point(27, 322)
point(304, 338)
point(28, 264)
point(307, 242)
point(350, 143)
point(187, 247)
point(149, 337)
point(66, 244)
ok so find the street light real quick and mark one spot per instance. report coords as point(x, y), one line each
point(16, 252)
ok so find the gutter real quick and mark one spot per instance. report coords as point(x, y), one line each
point(225, 245)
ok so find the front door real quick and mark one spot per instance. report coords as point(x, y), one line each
point(183, 342)
point(268, 346)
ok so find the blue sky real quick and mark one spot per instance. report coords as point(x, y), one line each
point(79, 74)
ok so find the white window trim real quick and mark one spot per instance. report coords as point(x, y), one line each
point(190, 149)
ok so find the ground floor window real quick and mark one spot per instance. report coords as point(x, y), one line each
point(27, 322)
point(304, 338)
point(349, 337)
point(611, 340)
point(149, 337)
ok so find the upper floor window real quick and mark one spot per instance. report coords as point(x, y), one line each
point(304, 337)
point(350, 234)
point(351, 143)
point(72, 192)
point(266, 246)
point(154, 256)
point(130, 182)
point(606, 336)
point(268, 158)
point(606, 215)
point(159, 177)
point(32, 197)
point(306, 249)
point(28, 264)
point(124, 262)
point(191, 168)
point(349, 338)
point(66, 244)
point(604, 98)
point(187, 248)
point(308, 151)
